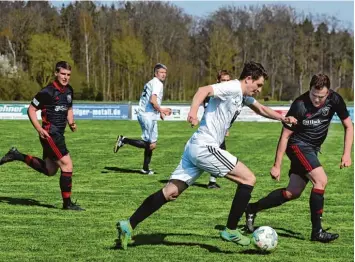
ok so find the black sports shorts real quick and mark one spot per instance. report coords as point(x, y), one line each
point(303, 160)
point(54, 147)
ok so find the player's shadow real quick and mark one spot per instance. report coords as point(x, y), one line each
point(159, 239)
point(289, 233)
point(164, 181)
point(122, 170)
point(23, 202)
point(282, 232)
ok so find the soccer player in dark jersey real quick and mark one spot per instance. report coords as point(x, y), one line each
point(222, 76)
point(314, 111)
point(55, 101)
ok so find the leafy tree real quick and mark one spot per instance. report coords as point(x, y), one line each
point(44, 51)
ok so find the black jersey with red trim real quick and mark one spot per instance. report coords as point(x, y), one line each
point(54, 101)
point(313, 122)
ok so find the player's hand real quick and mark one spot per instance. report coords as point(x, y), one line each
point(290, 120)
point(192, 119)
point(345, 161)
point(166, 111)
point(72, 127)
point(162, 116)
point(275, 173)
point(43, 133)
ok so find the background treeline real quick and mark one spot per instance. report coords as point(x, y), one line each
point(113, 48)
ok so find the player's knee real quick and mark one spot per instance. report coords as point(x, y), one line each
point(170, 195)
point(321, 183)
point(152, 146)
point(51, 171)
point(290, 195)
point(250, 180)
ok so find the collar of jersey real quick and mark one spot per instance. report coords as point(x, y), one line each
point(57, 86)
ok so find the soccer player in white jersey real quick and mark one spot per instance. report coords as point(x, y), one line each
point(148, 112)
point(202, 152)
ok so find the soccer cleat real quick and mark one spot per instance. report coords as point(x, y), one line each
point(119, 143)
point(125, 233)
point(10, 156)
point(323, 236)
point(235, 236)
point(72, 206)
point(213, 185)
point(250, 218)
point(147, 172)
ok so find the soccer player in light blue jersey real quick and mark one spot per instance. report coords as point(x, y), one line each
point(148, 112)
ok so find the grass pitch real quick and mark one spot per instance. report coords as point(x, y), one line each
point(34, 228)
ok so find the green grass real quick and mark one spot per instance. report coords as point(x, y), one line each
point(185, 230)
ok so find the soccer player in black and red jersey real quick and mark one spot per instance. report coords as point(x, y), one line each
point(56, 103)
point(314, 111)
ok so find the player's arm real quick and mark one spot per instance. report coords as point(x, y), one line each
point(70, 119)
point(197, 100)
point(275, 171)
point(270, 113)
point(348, 142)
point(31, 112)
point(154, 101)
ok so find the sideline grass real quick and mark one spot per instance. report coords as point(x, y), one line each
point(34, 228)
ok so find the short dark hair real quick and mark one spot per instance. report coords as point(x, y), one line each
point(253, 69)
point(319, 81)
point(222, 73)
point(62, 64)
point(158, 66)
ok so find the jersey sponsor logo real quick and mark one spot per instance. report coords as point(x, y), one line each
point(311, 122)
point(35, 101)
point(325, 111)
point(60, 108)
point(69, 98)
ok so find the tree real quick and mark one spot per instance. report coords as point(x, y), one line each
point(44, 51)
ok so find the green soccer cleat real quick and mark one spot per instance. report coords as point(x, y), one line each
point(235, 236)
point(125, 233)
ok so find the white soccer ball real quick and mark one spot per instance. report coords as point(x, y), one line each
point(265, 238)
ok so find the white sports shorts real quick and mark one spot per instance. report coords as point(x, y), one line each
point(199, 158)
point(149, 127)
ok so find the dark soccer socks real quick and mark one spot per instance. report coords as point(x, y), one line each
point(240, 202)
point(135, 142)
point(274, 199)
point(147, 158)
point(316, 203)
point(36, 163)
point(151, 204)
point(65, 183)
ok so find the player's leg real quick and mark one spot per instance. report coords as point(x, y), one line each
point(59, 153)
point(221, 163)
point(245, 179)
point(46, 167)
point(148, 153)
point(185, 174)
point(276, 198)
point(149, 206)
point(319, 180)
point(146, 125)
point(150, 135)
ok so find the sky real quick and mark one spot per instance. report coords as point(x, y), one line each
point(343, 10)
